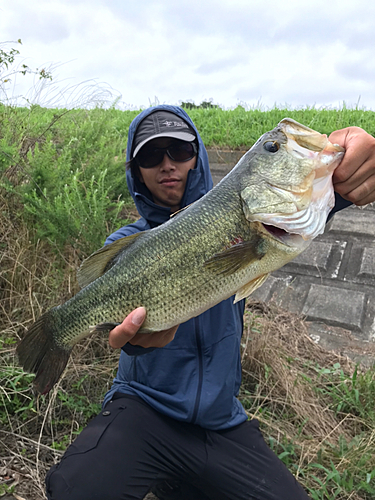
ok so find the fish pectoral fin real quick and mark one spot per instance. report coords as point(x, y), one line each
point(236, 257)
point(99, 262)
point(250, 287)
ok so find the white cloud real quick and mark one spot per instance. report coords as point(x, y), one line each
point(298, 53)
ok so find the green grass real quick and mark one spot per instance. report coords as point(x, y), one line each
point(66, 168)
point(239, 129)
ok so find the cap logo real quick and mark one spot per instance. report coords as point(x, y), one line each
point(169, 123)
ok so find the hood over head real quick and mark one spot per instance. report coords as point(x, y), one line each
point(199, 180)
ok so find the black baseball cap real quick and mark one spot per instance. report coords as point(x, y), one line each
point(162, 124)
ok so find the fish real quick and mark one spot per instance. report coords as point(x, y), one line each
point(259, 217)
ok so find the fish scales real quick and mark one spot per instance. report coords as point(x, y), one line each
point(169, 277)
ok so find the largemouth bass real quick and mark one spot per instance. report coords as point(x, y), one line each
point(260, 216)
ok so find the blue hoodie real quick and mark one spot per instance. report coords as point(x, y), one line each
point(195, 378)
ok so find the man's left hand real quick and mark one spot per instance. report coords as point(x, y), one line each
point(354, 178)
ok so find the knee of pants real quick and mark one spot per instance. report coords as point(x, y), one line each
point(56, 487)
point(78, 475)
point(83, 488)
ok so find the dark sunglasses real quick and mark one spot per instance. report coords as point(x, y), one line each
point(149, 157)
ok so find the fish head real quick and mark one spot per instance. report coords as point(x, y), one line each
point(288, 187)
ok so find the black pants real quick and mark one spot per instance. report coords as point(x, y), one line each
point(129, 448)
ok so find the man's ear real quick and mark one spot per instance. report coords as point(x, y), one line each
point(139, 175)
point(136, 171)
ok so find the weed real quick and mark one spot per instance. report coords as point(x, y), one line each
point(5, 489)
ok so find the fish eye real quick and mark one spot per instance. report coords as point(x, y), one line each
point(271, 146)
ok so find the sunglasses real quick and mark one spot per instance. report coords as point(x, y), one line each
point(149, 157)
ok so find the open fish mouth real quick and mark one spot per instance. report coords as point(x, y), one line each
point(312, 201)
point(293, 240)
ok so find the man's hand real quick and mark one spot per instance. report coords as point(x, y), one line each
point(127, 332)
point(354, 178)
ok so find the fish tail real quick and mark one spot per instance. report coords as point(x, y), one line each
point(39, 353)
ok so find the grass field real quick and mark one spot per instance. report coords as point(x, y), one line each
point(62, 190)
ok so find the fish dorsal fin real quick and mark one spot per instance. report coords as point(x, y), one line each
point(250, 287)
point(99, 262)
point(236, 257)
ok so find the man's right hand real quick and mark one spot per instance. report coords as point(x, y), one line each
point(128, 332)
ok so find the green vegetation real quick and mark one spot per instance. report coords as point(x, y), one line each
point(8, 55)
point(240, 128)
point(62, 190)
point(65, 171)
point(66, 167)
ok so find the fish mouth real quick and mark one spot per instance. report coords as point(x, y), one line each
point(307, 138)
point(312, 201)
point(275, 231)
point(293, 240)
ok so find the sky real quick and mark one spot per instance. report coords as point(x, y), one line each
point(131, 53)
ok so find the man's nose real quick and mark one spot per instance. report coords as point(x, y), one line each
point(167, 163)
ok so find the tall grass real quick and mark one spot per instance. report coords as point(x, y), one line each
point(53, 160)
point(240, 128)
point(64, 170)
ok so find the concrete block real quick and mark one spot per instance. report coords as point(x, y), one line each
point(354, 221)
point(218, 171)
point(290, 293)
point(337, 258)
point(322, 259)
point(367, 268)
point(335, 306)
point(262, 293)
point(221, 156)
point(341, 341)
point(316, 256)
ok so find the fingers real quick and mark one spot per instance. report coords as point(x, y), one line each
point(156, 339)
point(123, 333)
point(128, 332)
point(354, 178)
point(359, 188)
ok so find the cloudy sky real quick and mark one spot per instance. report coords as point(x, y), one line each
point(255, 53)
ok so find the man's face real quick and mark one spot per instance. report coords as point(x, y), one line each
point(166, 180)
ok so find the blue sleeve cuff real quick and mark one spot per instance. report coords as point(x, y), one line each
point(136, 350)
point(340, 204)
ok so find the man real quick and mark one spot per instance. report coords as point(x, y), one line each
point(171, 422)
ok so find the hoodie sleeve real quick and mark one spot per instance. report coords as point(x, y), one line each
point(340, 204)
point(136, 227)
point(136, 350)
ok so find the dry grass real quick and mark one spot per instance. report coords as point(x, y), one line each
point(289, 384)
point(33, 277)
point(281, 343)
